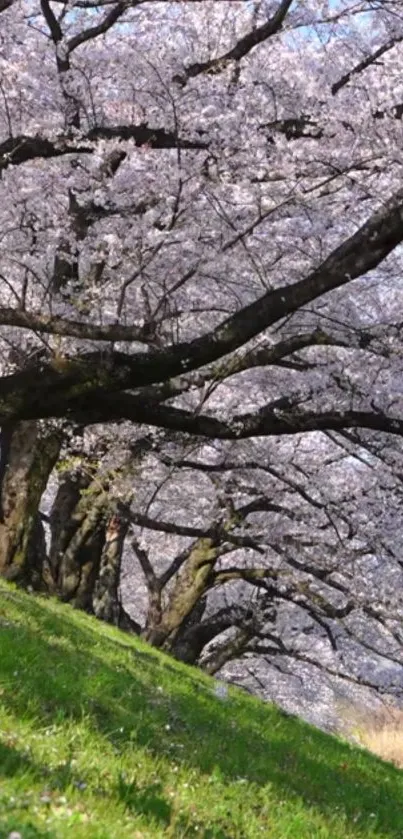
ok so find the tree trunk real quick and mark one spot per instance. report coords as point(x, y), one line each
point(190, 638)
point(232, 648)
point(106, 602)
point(78, 522)
point(84, 560)
point(63, 518)
point(87, 544)
point(28, 455)
point(164, 624)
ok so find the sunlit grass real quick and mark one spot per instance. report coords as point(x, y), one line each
point(102, 736)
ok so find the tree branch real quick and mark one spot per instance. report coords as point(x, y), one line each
point(146, 566)
point(216, 531)
point(74, 384)
point(366, 62)
point(249, 575)
point(144, 135)
point(241, 427)
point(242, 47)
point(93, 31)
point(51, 20)
point(17, 150)
point(53, 325)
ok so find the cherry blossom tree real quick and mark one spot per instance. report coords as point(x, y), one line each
point(202, 218)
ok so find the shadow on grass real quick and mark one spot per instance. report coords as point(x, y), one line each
point(57, 669)
point(27, 830)
point(13, 762)
point(146, 801)
point(150, 802)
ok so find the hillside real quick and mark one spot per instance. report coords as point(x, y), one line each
point(102, 736)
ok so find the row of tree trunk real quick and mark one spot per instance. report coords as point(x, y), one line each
point(74, 551)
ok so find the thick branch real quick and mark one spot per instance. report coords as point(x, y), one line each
point(366, 62)
point(93, 31)
point(144, 135)
point(51, 20)
point(249, 575)
point(74, 384)
point(165, 526)
point(241, 427)
point(216, 531)
point(259, 357)
point(53, 325)
point(16, 150)
point(243, 45)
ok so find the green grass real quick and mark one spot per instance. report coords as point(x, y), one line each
point(102, 736)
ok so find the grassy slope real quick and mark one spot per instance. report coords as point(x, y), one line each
point(101, 736)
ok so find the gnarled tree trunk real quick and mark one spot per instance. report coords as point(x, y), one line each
point(28, 455)
point(83, 563)
point(87, 538)
point(106, 603)
point(165, 623)
point(78, 523)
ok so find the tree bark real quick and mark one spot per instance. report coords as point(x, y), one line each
point(106, 604)
point(78, 560)
point(87, 544)
point(191, 637)
point(232, 648)
point(164, 624)
point(28, 456)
